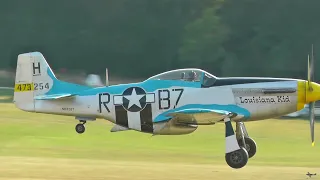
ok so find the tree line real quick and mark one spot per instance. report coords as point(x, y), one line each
point(141, 38)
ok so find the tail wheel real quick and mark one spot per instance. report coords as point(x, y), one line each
point(80, 128)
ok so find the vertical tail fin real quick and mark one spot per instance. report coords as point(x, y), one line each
point(33, 77)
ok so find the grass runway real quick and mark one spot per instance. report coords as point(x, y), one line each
point(39, 146)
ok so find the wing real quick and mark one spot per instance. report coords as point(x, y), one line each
point(202, 114)
point(199, 116)
point(53, 96)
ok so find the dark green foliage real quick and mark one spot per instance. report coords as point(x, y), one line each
point(141, 38)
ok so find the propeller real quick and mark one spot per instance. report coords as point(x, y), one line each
point(311, 113)
point(310, 89)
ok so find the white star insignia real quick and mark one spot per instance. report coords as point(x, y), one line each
point(134, 98)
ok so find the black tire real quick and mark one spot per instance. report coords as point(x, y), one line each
point(80, 128)
point(237, 159)
point(251, 146)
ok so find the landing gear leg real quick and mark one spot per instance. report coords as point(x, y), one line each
point(236, 156)
point(80, 128)
point(244, 140)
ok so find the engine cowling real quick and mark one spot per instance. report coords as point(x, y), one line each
point(172, 128)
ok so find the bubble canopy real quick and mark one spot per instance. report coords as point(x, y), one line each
point(189, 74)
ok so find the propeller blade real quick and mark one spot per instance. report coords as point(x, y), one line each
point(310, 69)
point(311, 113)
point(312, 65)
point(309, 75)
point(312, 104)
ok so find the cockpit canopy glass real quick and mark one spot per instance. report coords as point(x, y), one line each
point(191, 75)
point(181, 74)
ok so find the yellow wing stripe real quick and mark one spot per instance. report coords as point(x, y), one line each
point(23, 87)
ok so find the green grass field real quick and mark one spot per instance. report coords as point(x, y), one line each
point(6, 95)
point(38, 146)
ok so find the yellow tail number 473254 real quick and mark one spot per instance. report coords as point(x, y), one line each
point(23, 87)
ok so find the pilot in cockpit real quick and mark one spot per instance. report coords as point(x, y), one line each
point(192, 76)
point(183, 75)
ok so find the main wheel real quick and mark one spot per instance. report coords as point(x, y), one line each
point(251, 146)
point(237, 159)
point(80, 128)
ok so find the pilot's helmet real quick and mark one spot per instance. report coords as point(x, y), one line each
point(183, 75)
point(192, 75)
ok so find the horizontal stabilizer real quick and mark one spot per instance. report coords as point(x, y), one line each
point(53, 96)
point(117, 128)
point(9, 88)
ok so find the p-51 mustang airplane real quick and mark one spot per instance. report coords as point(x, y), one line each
point(170, 103)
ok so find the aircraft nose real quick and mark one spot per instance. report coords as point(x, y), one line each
point(312, 92)
point(307, 93)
